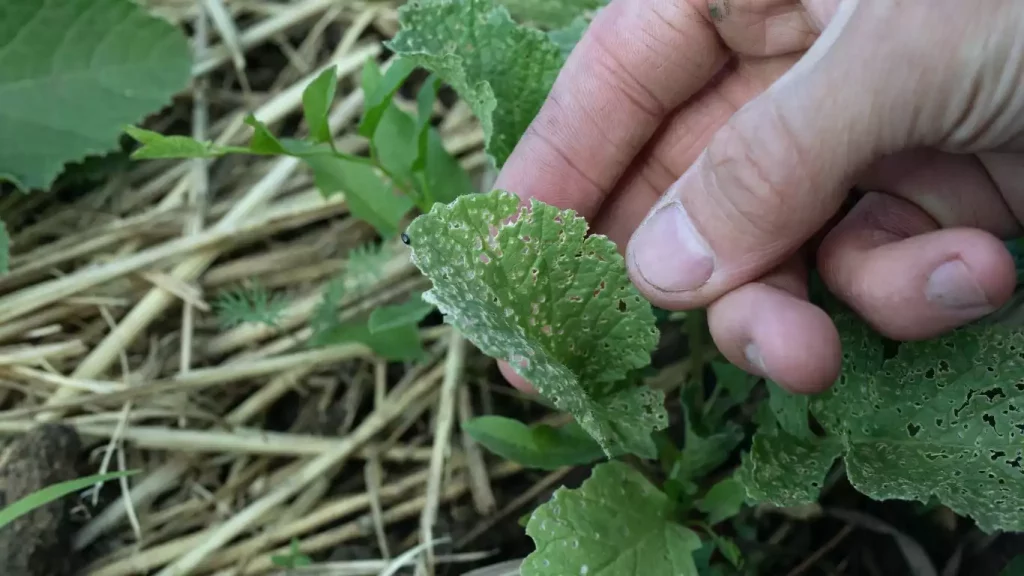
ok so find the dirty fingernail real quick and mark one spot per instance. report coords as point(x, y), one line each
point(669, 252)
point(952, 285)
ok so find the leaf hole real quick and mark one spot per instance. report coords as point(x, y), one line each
point(913, 429)
point(989, 419)
point(994, 393)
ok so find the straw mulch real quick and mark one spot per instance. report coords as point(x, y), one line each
point(247, 439)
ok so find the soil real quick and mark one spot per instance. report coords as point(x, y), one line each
point(39, 543)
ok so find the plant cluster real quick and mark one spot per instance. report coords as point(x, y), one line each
point(926, 421)
point(936, 420)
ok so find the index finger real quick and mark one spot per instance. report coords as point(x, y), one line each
point(638, 60)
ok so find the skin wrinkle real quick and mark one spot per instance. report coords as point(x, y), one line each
point(1007, 171)
point(639, 95)
point(594, 116)
point(998, 193)
point(564, 158)
point(966, 132)
point(749, 170)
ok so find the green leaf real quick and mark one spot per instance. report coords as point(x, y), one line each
point(5, 249)
point(250, 304)
point(380, 90)
point(702, 454)
point(940, 418)
point(263, 140)
point(1014, 568)
point(156, 145)
point(540, 446)
point(399, 344)
point(366, 263)
point(736, 383)
point(392, 132)
point(550, 13)
point(409, 313)
point(503, 70)
point(783, 470)
point(702, 558)
point(294, 558)
point(728, 549)
point(723, 501)
point(566, 38)
point(316, 104)
point(444, 176)
point(425, 99)
point(369, 196)
point(732, 388)
point(54, 492)
point(395, 141)
point(324, 319)
point(617, 523)
point(73, 73)
point(554, 302)
point(790, 410)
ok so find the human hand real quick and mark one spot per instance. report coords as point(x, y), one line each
point(757, 116)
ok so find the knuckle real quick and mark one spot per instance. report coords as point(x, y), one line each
point(759, 174)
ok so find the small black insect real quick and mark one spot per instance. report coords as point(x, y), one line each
point(405, 238)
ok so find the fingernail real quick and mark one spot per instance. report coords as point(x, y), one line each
point(753, 354)
point(952, 285)
point(669, 252)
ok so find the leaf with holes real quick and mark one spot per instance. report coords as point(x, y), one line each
point(616, 524)
point(502, 69)
point(555, 303)
point(72, 74)
point(551, 14)
point(938, 418)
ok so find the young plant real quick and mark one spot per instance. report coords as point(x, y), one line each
point(249, 304)
point(937, 420)
point(407, 164)
point(54, 492)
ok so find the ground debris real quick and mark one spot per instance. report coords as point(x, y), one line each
point(39, 543)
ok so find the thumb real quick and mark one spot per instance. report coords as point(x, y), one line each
point(771, 177)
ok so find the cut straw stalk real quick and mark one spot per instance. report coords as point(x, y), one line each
point(239, 441)
point(202, 378)
point(453, 369)
point(404, 511)
point(31, 299)
point(326, 513)
point(34, 354)
point(314, 469)
point(165, 477)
